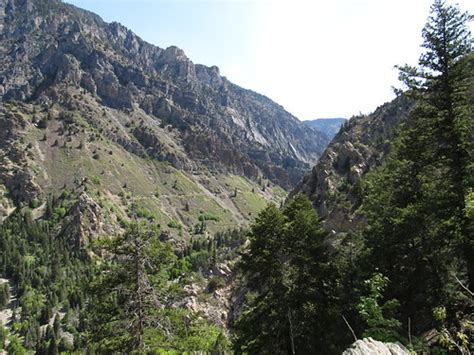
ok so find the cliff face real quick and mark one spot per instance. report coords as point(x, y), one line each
point(329, 126)
point(333, 185)
point(49, 49)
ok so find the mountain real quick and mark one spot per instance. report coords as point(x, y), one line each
point(329, 126)
point(91, 108)
point(50, 47)
point(127, 172)
point(362, 143)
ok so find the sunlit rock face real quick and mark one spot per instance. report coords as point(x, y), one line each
point(48, 47)
point(362, 144)
point(369, 346)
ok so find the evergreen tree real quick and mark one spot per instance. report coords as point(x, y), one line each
point(56, 325)
point(130, 290)
point(53, 346)
point(311, 310)
point(442, 86)
point(264, 258)
point(263, 327)
point(4, 295)
point(418, 230)
point(290, 307)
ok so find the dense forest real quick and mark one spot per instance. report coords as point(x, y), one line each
point(407, 276)
point(120, 301)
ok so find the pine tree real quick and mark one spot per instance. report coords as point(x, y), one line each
point(4, 295)
point(56, 325)
point(130, 290)
point(53, 346)
point(442, 84)
point(308, 278)
point(416, 202)
point(264, 257)
point(263, 326)
point(290, 309)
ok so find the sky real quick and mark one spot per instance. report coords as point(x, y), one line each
point(318, 59)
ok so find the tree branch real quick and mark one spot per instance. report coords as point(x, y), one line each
point(350, 328)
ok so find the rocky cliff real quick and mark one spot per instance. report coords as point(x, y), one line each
point(49, 49)
point(89, 107)
point(333, 185)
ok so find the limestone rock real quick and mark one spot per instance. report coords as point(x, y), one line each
point(51, 48)
point(361, 145)
point(222, 270)
point(14, 174)
point(85, 220)
point(369, 346)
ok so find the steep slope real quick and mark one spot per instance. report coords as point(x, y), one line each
point(333, 185)
point(87, 151)
point(49, 47)
point(329, 126)
point(90, 108)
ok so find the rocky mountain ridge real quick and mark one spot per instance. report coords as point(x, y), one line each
point(363, 142)
point(91, 109)
point(48, 47)
point(329, 126)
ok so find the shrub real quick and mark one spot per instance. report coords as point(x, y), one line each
point(215, 283)
point(96, 180)
point(175, 224)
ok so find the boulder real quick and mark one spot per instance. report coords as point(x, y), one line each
point(369, 346)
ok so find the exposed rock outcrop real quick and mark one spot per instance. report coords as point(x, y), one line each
point(14, 174)
point(216, 307)
point(49, 47)
point(84, 221)
point(362, 144)
point(369, 346)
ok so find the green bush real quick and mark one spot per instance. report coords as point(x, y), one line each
point(96, 180)
point(34, 203)
point(200, 260)
point(145, 213)
point(175, 224)
point(215, 283)
point(376, 315)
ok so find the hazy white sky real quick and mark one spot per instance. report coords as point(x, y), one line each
point(332, 58)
